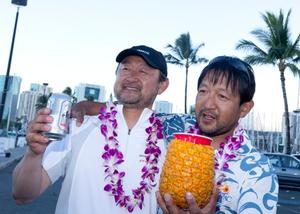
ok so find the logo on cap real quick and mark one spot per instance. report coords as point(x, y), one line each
point(143, 51)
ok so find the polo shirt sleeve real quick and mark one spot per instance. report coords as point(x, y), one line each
point(55, 158)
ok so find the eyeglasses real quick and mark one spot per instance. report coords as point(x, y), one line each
point(234, 62)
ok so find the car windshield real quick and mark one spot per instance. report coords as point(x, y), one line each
point(284, 161)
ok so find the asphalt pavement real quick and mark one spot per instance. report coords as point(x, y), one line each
point(10, 156)
point(45, 204)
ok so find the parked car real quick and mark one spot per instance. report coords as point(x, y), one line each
point(297, 156)
point(287, 168)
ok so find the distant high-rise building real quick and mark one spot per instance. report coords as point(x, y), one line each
point(35, 87)
point(41, 89)
point(27, 103)
point(11, 101)
point(28, 100)
point(86, 91)
point(163, 107)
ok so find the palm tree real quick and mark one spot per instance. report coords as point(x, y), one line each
point(69, 92)
point(278, 50)
point(41, 102)
point(184, 54)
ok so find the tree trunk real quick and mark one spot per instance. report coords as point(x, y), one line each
point(185, 90)
point(286, 113)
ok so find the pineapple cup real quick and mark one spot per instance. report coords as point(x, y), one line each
point(188, 167)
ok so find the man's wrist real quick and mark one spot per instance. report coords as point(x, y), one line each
point(31, 154)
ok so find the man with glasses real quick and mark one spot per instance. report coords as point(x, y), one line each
point(246, 180)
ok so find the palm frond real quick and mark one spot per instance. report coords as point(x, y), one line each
point(263, 36)
point(293, 49)
point(286, 25)
point(250, 46)
point(172, 59)
point(184, 45)
point(257, 60)
point(295, 70)
point(193, 56)
point(297, 59)
point(279, 33)
point(202, 60)
point(182, 52)
point(175, 52)
point(269, 20)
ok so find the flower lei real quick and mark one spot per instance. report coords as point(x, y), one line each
point(113, 158)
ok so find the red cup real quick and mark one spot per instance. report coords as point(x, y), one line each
point(194, 138)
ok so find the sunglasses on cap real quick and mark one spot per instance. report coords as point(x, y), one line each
point(234, 62)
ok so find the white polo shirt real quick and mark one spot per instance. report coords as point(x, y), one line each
point(78, 158)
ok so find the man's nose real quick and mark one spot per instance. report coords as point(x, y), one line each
point(210, 101)
point(133, 74)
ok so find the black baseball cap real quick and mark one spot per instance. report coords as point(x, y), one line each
point(153, 57)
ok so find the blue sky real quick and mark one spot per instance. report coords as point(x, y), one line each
point(72, 41)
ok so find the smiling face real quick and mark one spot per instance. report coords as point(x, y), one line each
point(218, 108)
point(137, 84)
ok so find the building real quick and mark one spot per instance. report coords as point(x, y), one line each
point(26, 108)
point(266, 137)
point(266, 141)
point(294, 130)
point(41, 89)
point(86, 91)
point(163, 107)
point(28, 100)
point(11, 101)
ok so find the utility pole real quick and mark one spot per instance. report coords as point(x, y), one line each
point(6, 86)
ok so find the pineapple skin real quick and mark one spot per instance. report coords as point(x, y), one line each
point(188, 167)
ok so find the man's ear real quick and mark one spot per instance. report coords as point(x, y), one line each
point(246, 108)
point(163, 86)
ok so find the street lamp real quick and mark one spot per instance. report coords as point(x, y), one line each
point(5, 88)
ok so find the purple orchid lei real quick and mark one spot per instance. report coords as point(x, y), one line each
point(113, 158)
point(227, 151)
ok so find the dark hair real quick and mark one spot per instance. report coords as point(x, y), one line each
point(162, 77)
point(238, 74)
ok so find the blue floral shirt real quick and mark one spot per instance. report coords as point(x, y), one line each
point(251, 180)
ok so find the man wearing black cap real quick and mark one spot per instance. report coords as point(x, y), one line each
point(139, 63)
point(110, 163)
point(154, 58)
